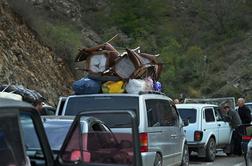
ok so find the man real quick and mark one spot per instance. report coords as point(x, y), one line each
point(243, 111)
point(38, 104)
point(232, 117)
point(234, 120)
point(176, 101)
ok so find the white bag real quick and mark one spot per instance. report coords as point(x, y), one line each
point(135, 86)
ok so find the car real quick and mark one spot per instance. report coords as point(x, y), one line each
point(246, 132)
point(60, 105)
point(48, 109)
point(248, 156)
point(20, 147)
point(99, 142)
point(207, 130)
point(160, 127)
point(249, 105)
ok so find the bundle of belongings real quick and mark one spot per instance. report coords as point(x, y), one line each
point(112, 72)
point(18, 92)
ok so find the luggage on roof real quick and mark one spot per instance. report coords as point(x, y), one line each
point(28, 95)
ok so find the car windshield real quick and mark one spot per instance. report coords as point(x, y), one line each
point(189, 114)
point(56, 131)
point(94, 103)
point(113, 121)
point(99, 145)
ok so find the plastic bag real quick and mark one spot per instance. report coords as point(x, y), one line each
point(86, 86)
point(113, 87)
point(135, 86)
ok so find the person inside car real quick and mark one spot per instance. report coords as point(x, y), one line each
point(38, 104)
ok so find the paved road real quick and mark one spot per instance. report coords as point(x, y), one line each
point(221, 160)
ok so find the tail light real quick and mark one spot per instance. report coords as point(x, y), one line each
point(246, 138)
point(198, 135)
point(143, 142)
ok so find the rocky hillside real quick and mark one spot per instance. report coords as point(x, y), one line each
point(25, 61)
point(205, 45)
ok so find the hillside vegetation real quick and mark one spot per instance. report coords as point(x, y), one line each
point(205, 45)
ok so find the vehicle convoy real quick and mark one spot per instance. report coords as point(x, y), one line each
point(207, 131)
point(160, 126)
point(24, 141)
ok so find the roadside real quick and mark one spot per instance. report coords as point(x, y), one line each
point(221, 160)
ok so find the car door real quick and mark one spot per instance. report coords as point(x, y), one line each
point(100, 146)
point(224, 130)
point(11, 145)
point(209, 125)
point(178, 135)
point(161, 134)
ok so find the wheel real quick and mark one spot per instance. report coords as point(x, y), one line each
point(211, 150)
point(185, 157)
point(158, 160)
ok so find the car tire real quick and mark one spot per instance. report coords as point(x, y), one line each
point(211, 150)
point(158, 160)
point(185, 157)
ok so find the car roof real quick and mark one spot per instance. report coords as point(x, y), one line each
point(69, 118)
point(9, 103)
point(195, 105)
point(122, 94)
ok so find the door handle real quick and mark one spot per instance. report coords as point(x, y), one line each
point(219, 125)
point(173, 135)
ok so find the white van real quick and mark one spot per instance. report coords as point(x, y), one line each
point(160, 127)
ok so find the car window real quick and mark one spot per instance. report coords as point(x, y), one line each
point(75, 105)
point(49, 110)
point(175, 115)
point(188, 114)
point(159, 113)
point(98, 145)
point(30, 136)
point(114, 121)
point(56, 131)
point(209, 115)
point(11, 143)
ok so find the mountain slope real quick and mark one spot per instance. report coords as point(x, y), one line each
point(24, 61)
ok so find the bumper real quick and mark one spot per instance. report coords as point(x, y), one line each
point(196, 144)
point(148, 158)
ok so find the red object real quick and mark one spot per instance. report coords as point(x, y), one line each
point(143, 142)
point(198, 135)
point(75, 155)
point(246, 138)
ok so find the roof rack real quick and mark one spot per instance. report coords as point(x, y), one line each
point(151, 92)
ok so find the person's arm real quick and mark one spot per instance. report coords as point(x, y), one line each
point(226, 118)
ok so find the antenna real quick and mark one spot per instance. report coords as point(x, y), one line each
point(6, 87)
point(112, 38)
